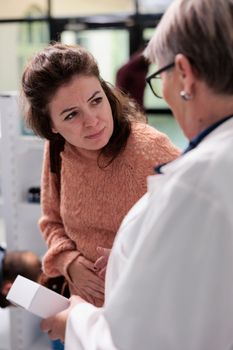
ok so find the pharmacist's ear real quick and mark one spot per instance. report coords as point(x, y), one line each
point(6, 287)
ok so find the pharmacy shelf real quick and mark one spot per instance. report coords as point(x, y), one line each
point(21, 162)
point(4, 329)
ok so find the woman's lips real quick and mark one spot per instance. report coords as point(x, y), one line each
point(95, 135)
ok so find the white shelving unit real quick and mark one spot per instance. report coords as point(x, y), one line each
point(21, 161)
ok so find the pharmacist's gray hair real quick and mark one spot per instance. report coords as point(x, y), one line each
point(202, 31)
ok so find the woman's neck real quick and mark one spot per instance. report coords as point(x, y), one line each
point(209, 109)
point(84, 153)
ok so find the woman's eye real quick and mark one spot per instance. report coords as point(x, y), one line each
point(71, 115)
point(97, 100)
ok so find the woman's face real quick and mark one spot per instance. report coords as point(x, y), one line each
point(81, 113)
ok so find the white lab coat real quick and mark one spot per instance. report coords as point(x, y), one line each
point(169, 283)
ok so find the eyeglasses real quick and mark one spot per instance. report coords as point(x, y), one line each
point(154, 80)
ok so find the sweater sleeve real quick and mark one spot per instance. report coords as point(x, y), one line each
point(61, 249)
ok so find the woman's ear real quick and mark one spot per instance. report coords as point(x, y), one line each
point(54, 131)
point(185, 72)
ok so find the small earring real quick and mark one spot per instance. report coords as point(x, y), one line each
point(185, 96)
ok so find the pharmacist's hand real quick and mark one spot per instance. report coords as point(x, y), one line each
point(86, 282)
point(101, 263)
point(55, 326)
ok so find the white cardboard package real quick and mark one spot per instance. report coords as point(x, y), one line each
point(36, 298)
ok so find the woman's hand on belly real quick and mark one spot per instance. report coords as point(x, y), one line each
point(85, 281)
point(101, 263)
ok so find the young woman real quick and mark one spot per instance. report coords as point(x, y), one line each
point(98, 155)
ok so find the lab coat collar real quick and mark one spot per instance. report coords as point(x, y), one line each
point(204, 133)
point(225, 124)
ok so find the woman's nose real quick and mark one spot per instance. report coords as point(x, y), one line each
point(90, 119)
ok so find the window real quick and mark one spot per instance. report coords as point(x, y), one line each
point(19, 9)
point(153, 6)
point(97, 41)
point(72, 8)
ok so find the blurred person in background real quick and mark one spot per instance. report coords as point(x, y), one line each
point(14, 263)
point(131, 77)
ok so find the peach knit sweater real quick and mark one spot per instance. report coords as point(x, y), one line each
point(87, 209)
